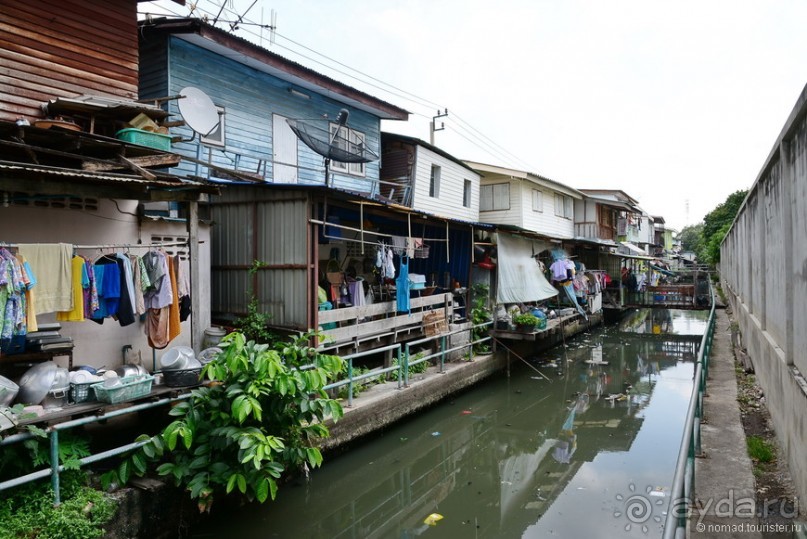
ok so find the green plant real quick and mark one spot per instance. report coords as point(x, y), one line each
point(759, 449)
point(254, 324)
point(418, 368)
point(480, 313)
point(525, 319)
point(29, 512)
point(260, 417)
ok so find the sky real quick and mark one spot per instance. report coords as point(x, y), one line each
point(677, 103)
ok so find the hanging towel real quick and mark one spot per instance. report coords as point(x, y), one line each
point(76, 314)
point(173, 309)
point(398, 245)
point(54, 274)
point(402, 287)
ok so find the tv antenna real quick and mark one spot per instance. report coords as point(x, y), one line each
point(332, 141)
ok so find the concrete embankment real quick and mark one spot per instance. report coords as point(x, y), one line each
point(382, 405)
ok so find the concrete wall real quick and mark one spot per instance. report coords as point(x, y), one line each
point(101, 222)
point(764, 272)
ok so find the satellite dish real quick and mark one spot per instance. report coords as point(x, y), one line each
point(331, 143)
point(198, 110)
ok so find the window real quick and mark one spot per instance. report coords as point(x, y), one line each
point(563, 206)
point(216, 137)
point(537, 200)
point(494, 197)
point(434, 182)
point(466, 194)
point(349, 141)
point(606, 216)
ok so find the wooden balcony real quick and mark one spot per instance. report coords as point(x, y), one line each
point(352, 326)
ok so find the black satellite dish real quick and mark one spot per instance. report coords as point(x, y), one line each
point(331, 143)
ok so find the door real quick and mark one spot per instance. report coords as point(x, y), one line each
point(284, 151)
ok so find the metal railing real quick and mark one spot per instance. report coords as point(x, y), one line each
point(404, 359)
point(53, 437)
point(683, 485)
point(53, 431)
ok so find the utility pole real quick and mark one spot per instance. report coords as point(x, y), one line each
point(433, 129)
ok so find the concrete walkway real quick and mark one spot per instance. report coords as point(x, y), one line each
point(724, 481)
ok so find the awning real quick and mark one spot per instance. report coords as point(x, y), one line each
point(633, 248)
point(520, 278)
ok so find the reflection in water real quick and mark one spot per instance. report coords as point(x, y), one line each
point(665, 322)
point(517, 457)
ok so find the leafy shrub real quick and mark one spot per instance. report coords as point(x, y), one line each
point(259, 417)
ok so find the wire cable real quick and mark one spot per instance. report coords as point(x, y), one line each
point(462, 127)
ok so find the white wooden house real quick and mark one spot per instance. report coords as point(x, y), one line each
point(421, 176)
point(526, 200)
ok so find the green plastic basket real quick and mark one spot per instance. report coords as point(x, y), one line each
point(82, 392)
point(132, 387)
point(145, 138)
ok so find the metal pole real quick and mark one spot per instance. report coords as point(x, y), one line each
point(54, 467)
point(350, 382)
point(406, 365)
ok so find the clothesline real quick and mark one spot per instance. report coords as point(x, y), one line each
point(115, 245)
point(355, 240)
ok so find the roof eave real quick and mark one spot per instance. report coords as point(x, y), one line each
point(216, 40)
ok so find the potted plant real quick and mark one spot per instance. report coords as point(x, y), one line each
point(525, 321)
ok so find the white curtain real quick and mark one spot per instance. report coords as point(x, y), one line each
point(520, 278)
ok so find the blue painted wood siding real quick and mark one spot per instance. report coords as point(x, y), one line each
point(250, 98)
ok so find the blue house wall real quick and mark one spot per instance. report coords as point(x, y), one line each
point(250, 98)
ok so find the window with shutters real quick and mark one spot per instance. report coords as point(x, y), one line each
point(537, 200)
point(494, 197)
point(351, 141)
point(564, 206)
point(434, 182)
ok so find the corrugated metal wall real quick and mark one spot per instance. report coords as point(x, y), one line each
point(272, 227)
point(51, 49)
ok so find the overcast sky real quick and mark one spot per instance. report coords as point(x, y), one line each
point(675, 102)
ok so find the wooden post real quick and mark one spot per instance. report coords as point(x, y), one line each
point(199, 320)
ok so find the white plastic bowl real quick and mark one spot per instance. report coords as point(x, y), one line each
point(174, 359)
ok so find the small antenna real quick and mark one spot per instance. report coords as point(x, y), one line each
point(272, 26)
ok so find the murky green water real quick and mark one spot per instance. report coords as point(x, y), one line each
point(589, 454)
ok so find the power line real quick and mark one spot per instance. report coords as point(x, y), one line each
point(482, 141)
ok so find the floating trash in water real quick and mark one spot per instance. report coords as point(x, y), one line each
point(433, 519)
point(466, 412)
point(404, 438)
point(436, 433)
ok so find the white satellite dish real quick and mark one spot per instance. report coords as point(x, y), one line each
point(198, 110)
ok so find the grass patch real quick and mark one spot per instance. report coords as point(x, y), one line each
point(759, 449)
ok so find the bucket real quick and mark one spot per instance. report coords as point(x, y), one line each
point(213, 336)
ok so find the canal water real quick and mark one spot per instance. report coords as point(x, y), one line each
point(590, 452)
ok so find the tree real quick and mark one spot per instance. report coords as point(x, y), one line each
point(691, 237)
point(712, 248)
point(704, 239)
point(723, 214)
